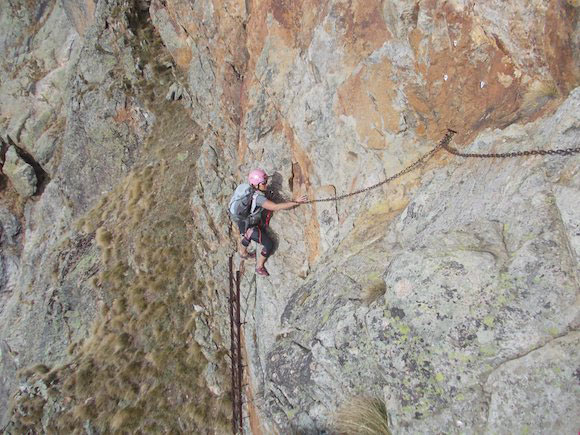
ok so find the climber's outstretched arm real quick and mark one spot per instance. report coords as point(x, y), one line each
point(272, 206)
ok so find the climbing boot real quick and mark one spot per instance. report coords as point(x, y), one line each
point(262, 271)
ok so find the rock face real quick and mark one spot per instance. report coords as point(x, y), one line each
point(475, 286)
point(449, 293)
point(20, 173)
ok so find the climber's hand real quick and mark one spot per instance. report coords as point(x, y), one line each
point(301, 200)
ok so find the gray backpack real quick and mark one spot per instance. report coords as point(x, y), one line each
point(243, 207)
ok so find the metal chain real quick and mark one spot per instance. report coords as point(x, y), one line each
point(444, 144)
point(419, 161)
point(560, 152)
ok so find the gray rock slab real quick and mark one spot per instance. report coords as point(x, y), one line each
point(45, 146)
point(480, 273)
point(9, 226)
point(534, 392)
point(20, 173)
point(8, 367)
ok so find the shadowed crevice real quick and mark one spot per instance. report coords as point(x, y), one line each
point(42, 176)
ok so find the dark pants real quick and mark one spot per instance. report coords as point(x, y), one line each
point(258, 234)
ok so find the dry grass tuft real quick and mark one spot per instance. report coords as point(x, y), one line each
point(373, 291)
point(103, 238)
point(40, 369)
point(127, 418)
point(119, 305)
point(106, 255)
point(538, 94)
point(69, 385)
point(137, 298)
point(363, 416)
point(84, 378)
point(86, 411)
point(32, 410)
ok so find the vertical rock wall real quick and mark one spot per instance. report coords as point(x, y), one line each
point(343, 94)
point(472, 264)
point(457, 312)
point(66, 106)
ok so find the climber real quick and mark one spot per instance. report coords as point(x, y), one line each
point(253, 221)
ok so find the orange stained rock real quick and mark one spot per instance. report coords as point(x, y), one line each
point(562, 60)
point(298, 19)
point(361, 27)
point(217, 37)
point(179, 18)
point(302, 168)
point(256, 37)
point(473, 83)
point(280, 58)
point(123, 115)
point(126, 115)
point(183, 56)
point(368, 97)
point(468, 85)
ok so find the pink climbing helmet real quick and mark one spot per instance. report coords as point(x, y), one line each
point(257, 176)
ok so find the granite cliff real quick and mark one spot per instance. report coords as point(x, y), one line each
point(450, 294)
